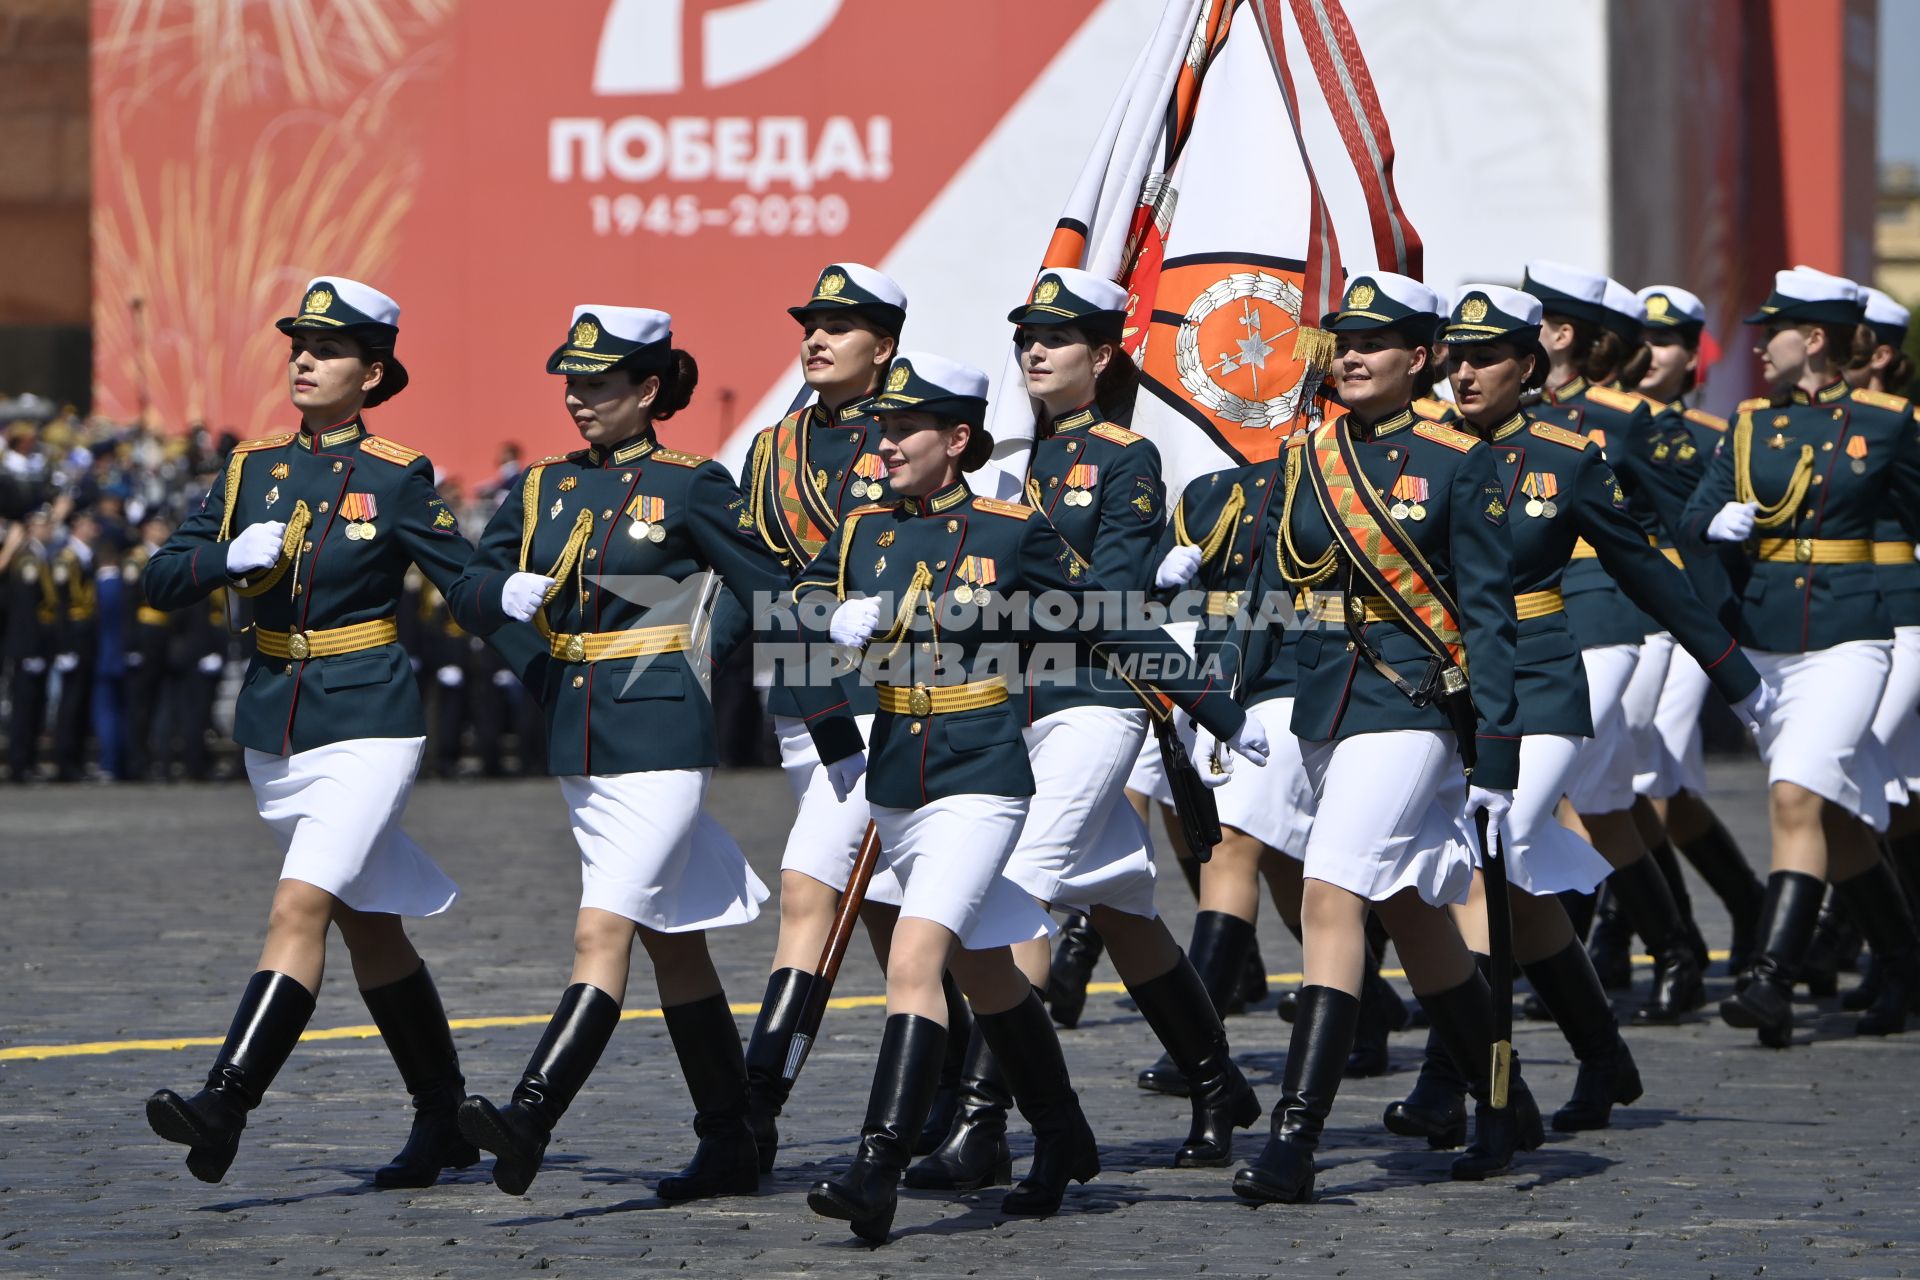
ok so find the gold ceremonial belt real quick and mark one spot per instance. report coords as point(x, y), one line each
point(1814, 550)
point(1225, 604)
point(934, 700)
point(1673, 554)
point(1332, 606)
point(1538, 604)
point(332, 642)
point(148, 616)
point(600, 646)
point(1893, 553)
point(1583, 550)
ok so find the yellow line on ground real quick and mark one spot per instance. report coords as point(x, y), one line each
point(97, 1048)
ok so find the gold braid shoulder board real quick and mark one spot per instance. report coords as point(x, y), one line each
point(1380, 551)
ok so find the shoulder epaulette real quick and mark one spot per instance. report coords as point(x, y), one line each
point(554, 458)
point(674, 457)
point(1882, 400)
point(1702, 418)
point(388, 451)
point(1440, 433)
point(871, 509)
point(264, 442)
point(1758, 402)
point(1119, 435)
point(1432, 408)
point(1559, 435)
point(1624, 401)
point(1018, 510)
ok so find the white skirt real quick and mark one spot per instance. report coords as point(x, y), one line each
point(1273, 804)
point(1602, 778)
point(648, 852)
point(337, 812)
point(949, 855)
point(1083, 846)
point(826, 833)
point(1543, 857)
point(1149, 774)
point(1679, 763)
point(1897, 723)
point(1820, 733)
point(1388, 816)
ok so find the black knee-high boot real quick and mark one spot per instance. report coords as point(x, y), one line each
point(903, 1083)
point(953, 1068)
point(1464, 1018)
point(1763, 1001)
point(1610, 940)
point(1648, 904)
point(1218, 954)
point(767, 1086)
point(569, 1048)
point(414, 1025)
point(1064, 1150)
point(1075, 954)
point(1835, 946)
point(707, 1042)
point(1316, 1061)
point(1877, 902)
point(1669, 864)
point(1715, 855)
point(1436, 1108)
point(974, 1152)
point(1176, 1006)
point(1566, 982)
point(273, 1011)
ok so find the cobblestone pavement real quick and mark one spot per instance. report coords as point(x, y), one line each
point(132, 914)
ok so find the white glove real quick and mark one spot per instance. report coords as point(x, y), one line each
point(1734, 523)
point(1214, 773)
point(523, 595)
point(505, 680)
point(449, 676)
point(1498, 802)
point(211, 664)
point(1757, 707)
point(136, 660)
point(855, 621)
point(257, 547)
point(33, 666)
point(1177, 568)
point(65, 661)
point(1250, 741)
point(845, 774)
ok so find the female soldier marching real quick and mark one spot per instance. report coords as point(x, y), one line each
point(1797, 484)
point(1082, 845)
point(318, 527)
point(950, 785)
point(1557, 489)
point(629, 732)
point(1398, 525)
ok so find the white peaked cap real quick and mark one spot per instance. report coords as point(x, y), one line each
point(1679, 303)
point(1575, 282)
point(1882, 309)
point(1523, 307)
point(1623, 301)
point(364, 298)
point(633, 324)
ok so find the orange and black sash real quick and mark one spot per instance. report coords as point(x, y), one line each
point(793, 510)
point(1379, 550)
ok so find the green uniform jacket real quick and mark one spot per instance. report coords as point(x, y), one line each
point(1598, 610)
point(332, 580)
point(1899, 580)
point(1100, 486)
point(631, 714)
point(1233, 516)
point(958, 543)
point(838, 452)
point(1463, 535)
point(1586, 502)
point(1865, 461)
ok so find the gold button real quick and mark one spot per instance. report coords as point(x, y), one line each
point(1246, 519)
point(1393, 455)
point(1238, 558)
point(913, 727)
point(1512, 456)
point(1827, 447)
point(1809, 513)
point(323, 508)
point(1819, 479)
point(308, 546)
point(296, 588)
point(592, 552)
point(1799, 582)
point(1054, 483)
point(627, 478)
point(288, 671)
point(578, 681)
point(953, 526)
point(607, 514)
point(926, 647)
point(1349, 646)
point(1261, 483)
point(941, 565)
point(336, 466)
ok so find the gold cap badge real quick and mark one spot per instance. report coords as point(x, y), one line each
point(318, 302)
point(831, 284)
point(1473, 310)
point(1362, 296)
point(897, 380)
point(1046, 291)
point(1657, 306)
point(585, 334)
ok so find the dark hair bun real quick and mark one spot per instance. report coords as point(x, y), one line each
point(979, 449)
point(677, 382)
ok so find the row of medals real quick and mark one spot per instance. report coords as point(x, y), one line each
point(647, 529)
point(1078, 498)
point(360, 530)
